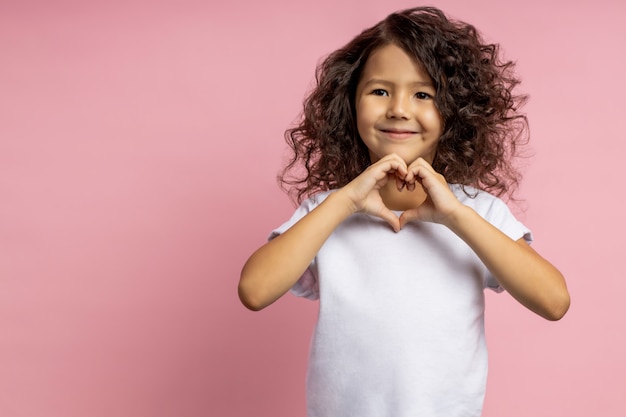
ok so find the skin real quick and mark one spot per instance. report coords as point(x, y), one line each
point(399, 123)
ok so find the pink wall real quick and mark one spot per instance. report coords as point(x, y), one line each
point(138, 148)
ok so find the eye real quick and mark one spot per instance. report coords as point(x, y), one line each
point(423, 96)
point(379, 92)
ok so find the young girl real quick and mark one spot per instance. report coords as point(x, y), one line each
point(405, 140)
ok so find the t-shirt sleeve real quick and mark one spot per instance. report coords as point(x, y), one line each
point(501, 217)
point(307, 285)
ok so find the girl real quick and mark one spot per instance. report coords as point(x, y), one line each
point(406, 141)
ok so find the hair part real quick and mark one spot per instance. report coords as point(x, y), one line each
point(483, 128)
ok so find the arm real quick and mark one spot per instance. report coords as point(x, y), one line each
point(528, 277)
point(275, 267)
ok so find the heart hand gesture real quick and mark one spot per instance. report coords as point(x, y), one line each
point(440, 202)
point(364, 191)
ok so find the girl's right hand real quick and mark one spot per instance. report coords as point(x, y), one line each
point(364, 191)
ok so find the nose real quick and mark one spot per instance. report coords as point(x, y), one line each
point(398, 108)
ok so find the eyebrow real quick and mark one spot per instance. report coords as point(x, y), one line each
point(385, 82)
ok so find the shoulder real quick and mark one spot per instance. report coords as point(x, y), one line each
point(306, 206)
point(315, 200)
point(494, 210)
point(481, 201)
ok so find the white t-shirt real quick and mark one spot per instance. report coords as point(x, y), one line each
point(400, 331)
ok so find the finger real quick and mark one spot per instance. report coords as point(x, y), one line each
point(420, 164)
point(400, 184)
point(395, 163)
point(428, 177)
point(408, 216)
point(391, 218)
point(421, 169)
point(417, 171)
point(423, 163)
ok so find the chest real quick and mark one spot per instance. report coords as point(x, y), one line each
point(365, 263)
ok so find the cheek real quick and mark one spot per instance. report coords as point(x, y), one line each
point(363, 125)
point(435, 121)
point(439, 119)
point(362, 118)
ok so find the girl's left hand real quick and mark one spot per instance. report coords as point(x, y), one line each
point(440, 202)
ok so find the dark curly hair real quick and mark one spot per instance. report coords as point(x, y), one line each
point(483, 128)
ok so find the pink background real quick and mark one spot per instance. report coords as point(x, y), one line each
point(139, 144)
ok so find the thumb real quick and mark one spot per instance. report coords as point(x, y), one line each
point(408, 216)
point(391, 218)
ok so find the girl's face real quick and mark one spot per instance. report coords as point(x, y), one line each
point(395, 107)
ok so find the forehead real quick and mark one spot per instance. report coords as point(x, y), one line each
point(393, 63)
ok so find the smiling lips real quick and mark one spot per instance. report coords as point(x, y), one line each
point(398, 134)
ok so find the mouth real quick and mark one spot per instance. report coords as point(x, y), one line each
point(395, 133)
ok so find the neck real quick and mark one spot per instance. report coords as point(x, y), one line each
point(402, 200)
